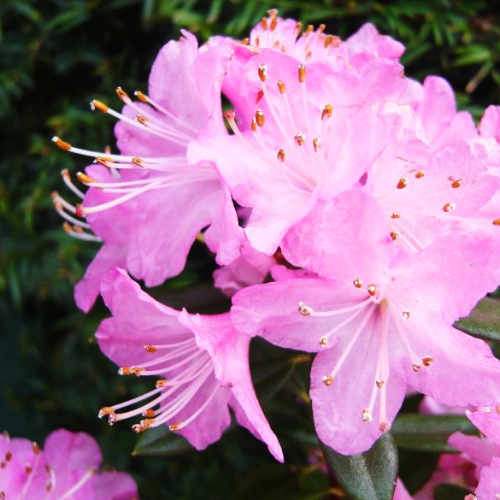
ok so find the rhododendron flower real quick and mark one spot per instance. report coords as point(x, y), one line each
point(296, 133)
point(201, 363)
point(437, 177)
point(66, 468)
point(483, 452)
point(382, 318)
point(314, 45)
point(148, 204)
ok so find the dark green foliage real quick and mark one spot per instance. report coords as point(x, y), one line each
point(370, 476)
point(55, 55)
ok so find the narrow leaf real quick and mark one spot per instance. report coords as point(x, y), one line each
point(428, 432)
point(483, 321)
point(369, 476)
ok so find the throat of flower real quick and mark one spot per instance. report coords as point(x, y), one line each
point(188, 374)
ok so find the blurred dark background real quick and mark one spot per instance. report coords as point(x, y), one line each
point(54, 57)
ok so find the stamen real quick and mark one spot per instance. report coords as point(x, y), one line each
point(427, 360)
point(419, 174)
point(67, 180)
point(402, 183)
point(281, 86)
point(496, 222)
point(394, 235)
point(281, 155)
point(260, 118)
point(449, 207)
point(304, 310)
point(301, 73)
point(78, 233)
point(84, 178)
point(262, 72)
point(372, 290)
point(299, 139)
point(100, 106)
point(185, 423)
point(366, 415)
point(122, 95)
point(357, 283)
point(327, 111)
point(395, 215)
point(65, 146)
point(352, 342)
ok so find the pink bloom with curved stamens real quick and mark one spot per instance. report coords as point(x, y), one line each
point(369, 321)
point(66, 469)
point(200, 362)
point(296, 138)
point(313, 45)
point(152, 203)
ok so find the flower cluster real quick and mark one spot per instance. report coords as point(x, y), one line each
point(353, 212)
point(66, 469)
point(477, 467)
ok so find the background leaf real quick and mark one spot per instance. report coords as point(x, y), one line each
point(484, 320)
point(428, 432)
point(369, 476)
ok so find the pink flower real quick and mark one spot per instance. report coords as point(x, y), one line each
point(483, 452)
point(148, 204)
point(67, 468)
point(312, 45)
point(369, 321)
point(201, 363)
point(296, 132)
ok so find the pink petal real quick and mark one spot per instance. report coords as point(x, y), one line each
point(209, 426)
point(249, 268)
point(488, 423)
point(230, 352)
point(113, 486)
point(186, 80)
point(338, 407)
point(272, 311)
point(123, 336)
point(87, 289)
point(346, 238)
point(489, 481)
point(480, 451)
point(438, 107)
point(368, 39)
point(167, 223)
point(490, 123)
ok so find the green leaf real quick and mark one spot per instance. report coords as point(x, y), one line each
point(428, 432)
point(484, 320)
point(369, 476)
point(160, 442)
